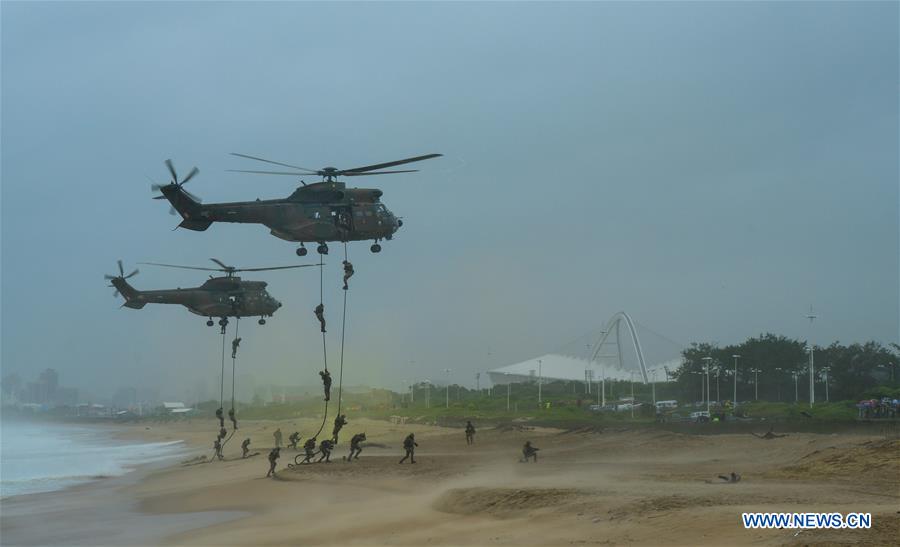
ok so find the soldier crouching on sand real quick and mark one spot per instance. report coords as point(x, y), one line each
point(529, 451)
point(245, 448)
point(310, 448)
point(325, 448)
point(294, 439)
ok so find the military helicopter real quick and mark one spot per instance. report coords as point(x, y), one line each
point(222, 297)
point(318, 212)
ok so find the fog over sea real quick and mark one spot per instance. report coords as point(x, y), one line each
point(42, 457)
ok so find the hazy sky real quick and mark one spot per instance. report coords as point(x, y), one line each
point(711, 168)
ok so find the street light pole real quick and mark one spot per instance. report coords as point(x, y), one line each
point(653, 386)
point(632, 394)
point(447, 370)
point(718, 398)
point(812, 375)
point(825, 372)
point(540, 381)
point(412, 385)
point(756, 384)
point(796, 391)
point(602, 386)
point(736, 357)
point(707, 360)
point(507, 390)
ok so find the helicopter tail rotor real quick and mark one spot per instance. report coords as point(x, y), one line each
point(120, 284)
point(175, 183)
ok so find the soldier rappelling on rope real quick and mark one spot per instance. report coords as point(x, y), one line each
point(348, 273)
point(234, 347)
point(220, 416)
point(339, 422)
point(326, 383)
point(320, 315)
point(232, 417)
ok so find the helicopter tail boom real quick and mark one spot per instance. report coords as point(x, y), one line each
point(132, 295)
point(186, 206)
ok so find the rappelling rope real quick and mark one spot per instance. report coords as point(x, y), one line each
point(237, 329)
point(343, 331)
point(324, 347)
point(222, 373)
point(222, 379)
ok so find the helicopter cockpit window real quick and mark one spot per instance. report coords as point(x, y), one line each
point(380, 210)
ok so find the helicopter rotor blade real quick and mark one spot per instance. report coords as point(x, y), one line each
point(121, 269)
point(190, 175)
point(219, 262)
point(132, 274)
point(387, 164)
point(271, 172)
point(156, 187)
point(274, 268)
point(109, 277)
point(182, 267)
point(172, 170)
point(379, 173)
point(311, 171)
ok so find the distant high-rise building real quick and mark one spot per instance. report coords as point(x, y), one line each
point(48, 381)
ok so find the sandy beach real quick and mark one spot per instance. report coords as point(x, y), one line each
point(641, 487)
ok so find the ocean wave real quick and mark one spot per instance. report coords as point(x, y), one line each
point(46, 459)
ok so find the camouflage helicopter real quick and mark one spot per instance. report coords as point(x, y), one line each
point(223, 297)
point(318, 212)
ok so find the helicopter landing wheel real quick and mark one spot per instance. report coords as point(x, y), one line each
point(375, 248)
point(322, 249)
point(301, 251)
point(209, 323)
point(262, 321)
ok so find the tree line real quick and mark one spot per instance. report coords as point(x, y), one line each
point(772, 367)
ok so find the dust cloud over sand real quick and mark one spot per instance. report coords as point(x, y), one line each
point(588, 487)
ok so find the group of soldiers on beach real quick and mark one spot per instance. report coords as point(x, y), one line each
point(326, 446)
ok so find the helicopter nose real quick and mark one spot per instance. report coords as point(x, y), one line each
point(399, 222)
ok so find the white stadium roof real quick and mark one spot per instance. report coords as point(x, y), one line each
point(555, 367)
